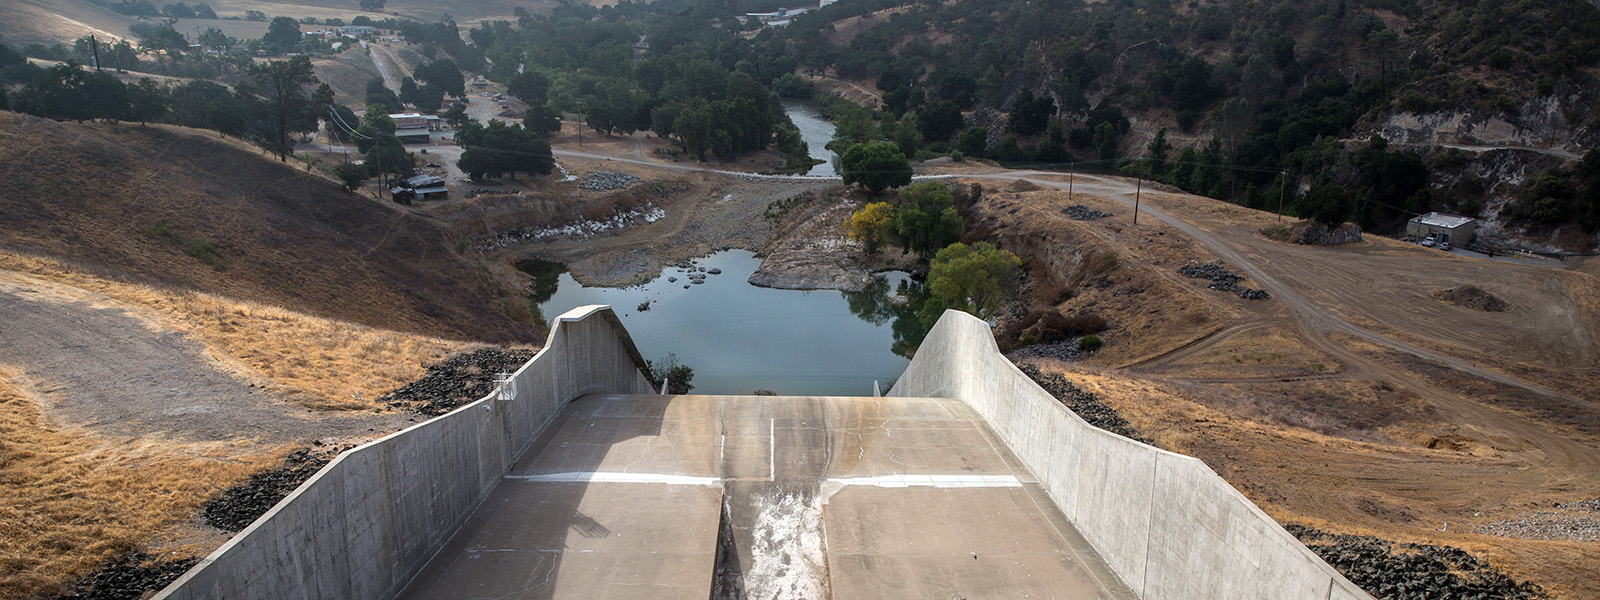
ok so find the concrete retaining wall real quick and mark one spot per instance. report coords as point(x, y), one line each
point(364, 524)
point(1168, 525)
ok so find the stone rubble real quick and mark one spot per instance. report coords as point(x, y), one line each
point(600, 181)
point(1080, 212)
point(1395, 571)
point(456, 381)
point(1086, 405)
point(1222, 280)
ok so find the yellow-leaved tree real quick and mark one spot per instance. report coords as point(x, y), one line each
point(871, 225)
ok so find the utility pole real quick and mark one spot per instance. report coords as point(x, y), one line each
point(1282, 189)
point(1138, 190)
point(1072, 173)
point(94, 46)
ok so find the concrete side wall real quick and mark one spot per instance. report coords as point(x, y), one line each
point(1168, 525)
point(364, 524)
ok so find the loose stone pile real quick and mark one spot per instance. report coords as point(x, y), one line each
point(1065, 350)
point(1222, 280)
point(648, 213)
point(239, 506)
point(600, 181)
point(1570, 521)
point(696, 273)
point(128, 576)
point(1389, 570)
point(458, 380)
point(475, 192)
point(1083, 403)
point(1083, 213)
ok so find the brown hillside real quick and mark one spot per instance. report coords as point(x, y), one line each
point(183, 208)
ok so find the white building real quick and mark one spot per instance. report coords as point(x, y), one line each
point(1445, 228)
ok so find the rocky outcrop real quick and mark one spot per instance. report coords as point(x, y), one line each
point(1312, 233)
point(810, 269)
point(1547, 124)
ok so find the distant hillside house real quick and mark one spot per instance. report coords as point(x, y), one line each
point(411, 128)
point(357, 30)
point(1443, 227)
point(778, 18)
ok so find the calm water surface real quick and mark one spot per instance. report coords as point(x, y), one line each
point(817, 131)
point(739, 338)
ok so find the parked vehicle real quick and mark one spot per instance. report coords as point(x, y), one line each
point(1428, 241)
point(1445, 246)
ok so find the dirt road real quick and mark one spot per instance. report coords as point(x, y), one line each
point(382, 58)
point(104, 367)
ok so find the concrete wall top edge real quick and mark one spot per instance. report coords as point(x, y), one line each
point(331, 474)
point(969, 349)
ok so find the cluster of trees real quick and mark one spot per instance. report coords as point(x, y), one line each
point(175, 10)
point(277, 101)
point(500, 149)
point(923, 218)
point(698, 83)
point(1297, 74)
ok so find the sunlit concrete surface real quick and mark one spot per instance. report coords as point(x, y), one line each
point(766, 497)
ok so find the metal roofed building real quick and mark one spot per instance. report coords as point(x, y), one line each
point(1445, 228)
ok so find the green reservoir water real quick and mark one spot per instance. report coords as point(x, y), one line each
point(739, 338)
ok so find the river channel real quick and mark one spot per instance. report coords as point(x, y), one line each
point(817, 131)
point(739, 338)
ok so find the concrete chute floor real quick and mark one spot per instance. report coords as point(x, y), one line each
point(766, 497)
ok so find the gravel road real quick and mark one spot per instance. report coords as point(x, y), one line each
point(101, 367)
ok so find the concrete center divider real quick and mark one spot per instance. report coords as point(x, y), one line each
point(364, 525)
point(1169, 526)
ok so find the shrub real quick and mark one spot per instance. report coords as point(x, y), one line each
point(1089, 343)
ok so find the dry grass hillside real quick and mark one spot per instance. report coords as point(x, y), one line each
point(76, 493)
point(1320, 426)
point(182, 208)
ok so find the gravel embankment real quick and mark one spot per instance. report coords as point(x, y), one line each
point(1085, 404)
point(458, 380)
point(237, 507)
point(1569, 521)
point(128, 577)
point(1390, 570)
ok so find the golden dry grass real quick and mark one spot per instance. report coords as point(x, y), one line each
point(331, 364)
point(72, 499)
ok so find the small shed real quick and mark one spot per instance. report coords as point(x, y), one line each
point(412, 135)
point(1445, 228)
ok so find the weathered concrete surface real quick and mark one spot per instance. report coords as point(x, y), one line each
point(766, 497)
point(364, 525)
point(1167, 524)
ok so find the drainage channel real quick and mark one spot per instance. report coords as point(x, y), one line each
point(771, 544)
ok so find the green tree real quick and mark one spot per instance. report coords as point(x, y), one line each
point(938, 120)
point(443, 74)
point(978, 279)
point(974, 141)
point(678, 375)
point(67, 91)
point(214, 39)
point(351, 174)
point(541, 119)
point(1329, 204)
point(1157, 151)
point(282, 36)
point(926, 219)
point(876, 166)
point(289, 103)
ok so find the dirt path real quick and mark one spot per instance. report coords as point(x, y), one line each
point(382, 58)
point(104, 367)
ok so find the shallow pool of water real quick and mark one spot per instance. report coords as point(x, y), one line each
point(739, 338)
